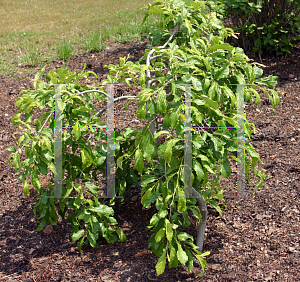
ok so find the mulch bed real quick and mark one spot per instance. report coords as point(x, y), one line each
point(255, 239)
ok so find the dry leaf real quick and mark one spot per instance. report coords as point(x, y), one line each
point(48, 229)
point(134, 198)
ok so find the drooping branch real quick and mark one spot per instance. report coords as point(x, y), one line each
point(148, 75)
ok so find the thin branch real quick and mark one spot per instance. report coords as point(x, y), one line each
point(160, 47)
point(115, 100)
point(201, 29)
point(152, 80)
point(148, 74)
point(158, 56)
point(88, 100)
point(171, 37)
point(88, 91)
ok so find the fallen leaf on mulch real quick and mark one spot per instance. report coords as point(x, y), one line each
point(48, 229)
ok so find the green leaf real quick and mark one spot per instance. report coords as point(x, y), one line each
point(122, 187)
point(76, 235)
point(260, 183)
point(203, 264)
point(190, 260)
point(86, 158)
point(139, 161)
point(181, 254)
point(92, 187)
point(223, 46)
point(142, 78)
point(39, 75)
point(210, 102)
point(16, 160)
point(21, 139)
point(212, 91)
point(160, 133)
point(147, 146)
point(168, 151)
point(223, 72)
point(159, 235)
point(77, 131)
point(198, 168)
point(22, 177)
point(102, 210)
point(145, 94)
point(62, 73)
point(50, 164)
point(188, 24)
point(215, 205)
point(146, 179)
point(146, 196)
point(12, 149)
point(38, 124)
point(26, 188)
point(206, 83)
point(161, 264)
point(225, 168)
point(197, 214)
point(239, 77)
point(185, 215)
point(258, 71)
point(270, 81)
point(100, 160)
point(151, 108)
point(43, 168)
point(196, 83)
point(151, 199)
point(44, 199)
point(199, 102)
point(183, 236)
point(141, 111)
point(257, 99)
point(79, 245)
point(161, 101)
point(173, 257)
point(249, 147)
point(121, 235)
point(181, 200)
point(42, 224)
point(35, 180)
point(174, 117)
point(276, 99)
point(169, 230)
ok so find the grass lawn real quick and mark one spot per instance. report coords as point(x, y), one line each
point(36, 31)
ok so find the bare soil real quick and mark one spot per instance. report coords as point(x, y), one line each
point(255, 239)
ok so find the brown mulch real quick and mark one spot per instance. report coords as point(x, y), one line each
point(256, 239)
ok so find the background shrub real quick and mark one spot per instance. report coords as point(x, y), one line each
point(263, 26)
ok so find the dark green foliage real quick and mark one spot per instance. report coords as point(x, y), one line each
point(264, 26)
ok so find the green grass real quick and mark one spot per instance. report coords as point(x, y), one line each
point(65, 50)
point(93, 42)
point(36, 31)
